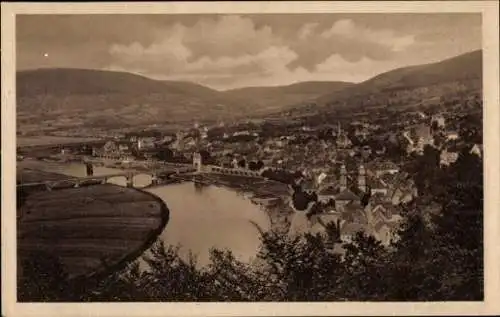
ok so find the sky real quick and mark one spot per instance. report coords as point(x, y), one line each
point(232, 51)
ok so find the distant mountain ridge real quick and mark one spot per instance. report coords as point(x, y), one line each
point(107, 98)
point(463, 69)
point(277, 97)
point(128, 99)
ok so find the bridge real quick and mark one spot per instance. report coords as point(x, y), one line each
point(156, 170)
point(129, 175)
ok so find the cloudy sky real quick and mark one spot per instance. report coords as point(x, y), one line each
point(229, 51)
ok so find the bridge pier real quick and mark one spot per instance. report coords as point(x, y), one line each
point(130, 180)
point(154, 179)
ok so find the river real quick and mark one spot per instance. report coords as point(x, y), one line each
point(199, 219)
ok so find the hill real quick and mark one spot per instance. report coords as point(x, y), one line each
point(55, 99)
point(94, 98)
point(269, 99)
point(61, 99)
point(414, 85)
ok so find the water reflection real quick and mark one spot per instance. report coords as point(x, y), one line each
point(211, 217)
point(201, 217)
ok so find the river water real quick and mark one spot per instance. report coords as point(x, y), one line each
point(199, 219)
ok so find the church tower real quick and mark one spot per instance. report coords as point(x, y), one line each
point(343, 178)
point(362, 179)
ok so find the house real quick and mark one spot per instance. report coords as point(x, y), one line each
point(438, 120)
point(477, 149)
point(447, 157)
point(343, 141)
point(362, 133)
point(385, 167)
point(124, 146)
point(377, 186)
point(385, 231)
point(348, 231)
point(452, 135)
point(418, 137)
point(403, 195)
point(327, 195)
point(145, 143)
point(110, 147)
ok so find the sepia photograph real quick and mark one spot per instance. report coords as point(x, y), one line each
point(315, 156)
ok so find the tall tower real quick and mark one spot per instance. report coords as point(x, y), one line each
point(197, 161)
point(362, 178)
point(343, 178)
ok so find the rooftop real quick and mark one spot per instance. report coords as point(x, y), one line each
point(347, 195)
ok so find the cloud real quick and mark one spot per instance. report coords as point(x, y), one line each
point(337, 67)
point(213, 50)
point(225, 51)
point(306, 30)
point(229, 35)
point(348, 29)
point(229, 46)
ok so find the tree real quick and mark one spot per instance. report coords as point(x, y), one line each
point(43, 278)
point(242, 163)
point(252, 166)
point(471, 128)
point(259, 165)
point(164, 154)
point(365, 269)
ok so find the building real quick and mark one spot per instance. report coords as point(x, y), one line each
point(381, 168)
point(447, 157)
point(418, 137)
point(327, 195)
point(343, 142)
point(452, 135)
point(477, 149)
point(197, 161)
point(145, 143)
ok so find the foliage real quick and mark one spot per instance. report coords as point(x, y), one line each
point(282, 176)
point(302, 199)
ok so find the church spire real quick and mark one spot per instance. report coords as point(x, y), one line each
point(343, 178)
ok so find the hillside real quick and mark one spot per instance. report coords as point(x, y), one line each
point(61, 99)
point(58, 99)
point(268, 99)
point(413, 85)
point(92, 98)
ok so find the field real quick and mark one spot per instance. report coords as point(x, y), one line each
point(90, 229)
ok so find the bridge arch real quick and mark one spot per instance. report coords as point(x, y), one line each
point(142, 179)
point(120, 180)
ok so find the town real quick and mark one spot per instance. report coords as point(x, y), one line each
point(214, 157)
point(352, 172)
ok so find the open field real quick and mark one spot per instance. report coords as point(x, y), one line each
point(91, 229)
